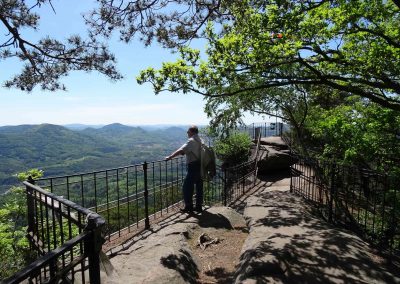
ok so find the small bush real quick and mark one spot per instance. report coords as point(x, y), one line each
point(233, 149)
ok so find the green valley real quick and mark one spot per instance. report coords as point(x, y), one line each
point(58, 150)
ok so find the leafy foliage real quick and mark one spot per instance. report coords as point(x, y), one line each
point(14, 247)
point(293, 58)
point(359, 132)
point(171, 23)
point(48, 60)
point(233, 149)
point(271, 52)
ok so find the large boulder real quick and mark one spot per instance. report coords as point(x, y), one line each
point(273, 155)
point(274, 141)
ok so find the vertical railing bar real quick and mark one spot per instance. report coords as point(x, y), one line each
point(375, 193)
point(166, 186)
point(70, 237)
point(359, 197)
point(31, 209)
point(42, 228)
point(51, 185)
point(82, 195)
point(81, 248)
point(48, 233)
point(353, 193)
point(393, 222)
point(137, 199)
point(68, 193)
point(183, 169)
point(365, 183)
point(146, 196)
point(160, 187)
point(311, 184)
point(346, 191)
point(118, 204)
point(154, 189)
point(331, 192)
point(60, 222)
point(54, 223)
point(177, 178)
point(305, 193)
point(225, 186)
point(95, 191)
point(127, 199)
point(108, 201)
point(385, 189)
point(396, 235)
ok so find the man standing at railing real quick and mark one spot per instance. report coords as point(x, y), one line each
point(192, 150)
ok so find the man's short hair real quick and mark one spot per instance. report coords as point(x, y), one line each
point(194, 129)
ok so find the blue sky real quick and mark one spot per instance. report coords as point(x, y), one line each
point(92, 98)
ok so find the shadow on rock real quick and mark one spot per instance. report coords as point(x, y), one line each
point(298, 262)
point(207, 220)
point(182, 263)
point(314, 252)
point(274, 176)
point(221, 275)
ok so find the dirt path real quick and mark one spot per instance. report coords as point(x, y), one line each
point(217, 262)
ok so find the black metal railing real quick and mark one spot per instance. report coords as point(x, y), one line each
point(130, 197)
point(264, 128)
point(364, 201)
point(70, 217)
point(127, 197)
point(66, 236)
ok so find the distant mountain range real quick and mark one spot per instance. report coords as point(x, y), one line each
point(63, 150)
point(150, 127)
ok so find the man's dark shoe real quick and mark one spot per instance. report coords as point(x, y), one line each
point(186, 210)
point(198, 209)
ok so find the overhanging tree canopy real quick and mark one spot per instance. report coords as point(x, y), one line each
point(48, 59)
point(352, 46)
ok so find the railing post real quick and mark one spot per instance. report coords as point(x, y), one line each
point(93, 246)
point(291, 177)
point(30, 206)
point(225, 187)
point(146, 197)
point(332, 190)
point(257, 132)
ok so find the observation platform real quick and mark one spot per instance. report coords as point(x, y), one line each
point(285, 242)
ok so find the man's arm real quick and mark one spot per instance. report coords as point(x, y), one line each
point(174, 154)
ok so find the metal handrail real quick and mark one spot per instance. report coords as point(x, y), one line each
point(141, 191)
point(362, 200)
point(62, 250)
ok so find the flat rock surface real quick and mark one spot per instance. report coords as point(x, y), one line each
point(287, 244)
point(277, 241)
point(170, 254)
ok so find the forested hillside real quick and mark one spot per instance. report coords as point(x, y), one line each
point(58, 150)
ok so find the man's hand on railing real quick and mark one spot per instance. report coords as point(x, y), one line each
point(174, 154)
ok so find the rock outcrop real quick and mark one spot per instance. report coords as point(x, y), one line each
point(164, 256)
point(287, 244)
point(274, 155)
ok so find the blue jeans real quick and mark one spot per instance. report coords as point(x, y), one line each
point(193, 177)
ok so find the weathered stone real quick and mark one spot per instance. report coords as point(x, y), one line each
point(271, 159)
point(286, 244)
point(164, 257)
point(235, 219)
point(275, 141)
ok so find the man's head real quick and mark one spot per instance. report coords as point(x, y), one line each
point(192, 130)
